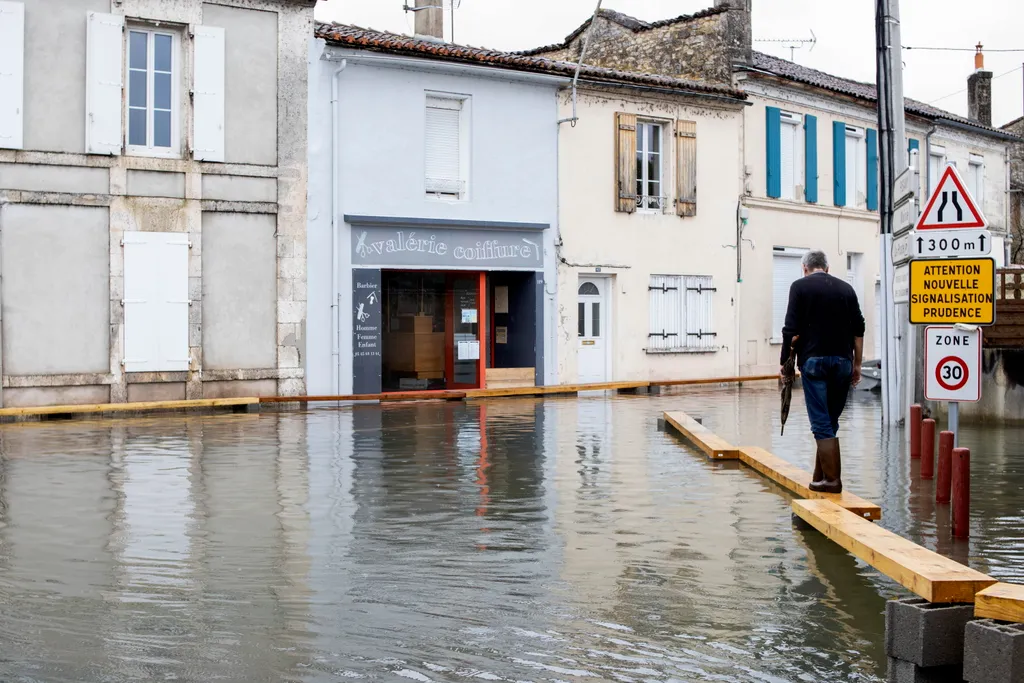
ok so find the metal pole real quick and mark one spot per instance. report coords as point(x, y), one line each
point(892, 160)
point(954, 422)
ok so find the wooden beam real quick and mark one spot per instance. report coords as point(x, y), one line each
point(703, 438)
point(1002, 601)
point(793, 478)
point(146, 406)
point(386, 396)
point(553, 389)
point(712, 380)
point(930, 575)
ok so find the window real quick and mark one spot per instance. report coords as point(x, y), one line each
point(447, 147)
point(936, 165)
point(856, 167)
point(792, 151)
point(786, 270)
point(681, 314)
point(976, 180)
point(649, 166)
point(152, 75)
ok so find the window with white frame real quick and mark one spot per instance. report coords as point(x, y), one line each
point(792, 154)
point(152, 66)
point(976, 179)
point(856, 167)
point(936, 165)
point(649, 166)
point(447, 146)
point(786, 269)
point(681, 314)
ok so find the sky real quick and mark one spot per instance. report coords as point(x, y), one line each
point(844, 30)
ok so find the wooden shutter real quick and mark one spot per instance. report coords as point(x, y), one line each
point(686, 168)
point(700, 293)
point(625, 162)
point(665, 313)
point(872, 170)
point(12, 74)
point(208, 82)
point(773, 151)
point(839, 163)
point(104, 74)
point(811, 158)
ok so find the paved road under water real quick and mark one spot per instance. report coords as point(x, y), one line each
point(516, 540)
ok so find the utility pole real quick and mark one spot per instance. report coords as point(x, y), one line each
point(892, 160)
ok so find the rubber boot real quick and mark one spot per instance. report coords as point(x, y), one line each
point(817, 477)
point(831, 467)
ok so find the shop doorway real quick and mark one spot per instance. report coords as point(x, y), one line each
point(592, 330)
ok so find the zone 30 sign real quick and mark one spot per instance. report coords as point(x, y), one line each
point(952, 364)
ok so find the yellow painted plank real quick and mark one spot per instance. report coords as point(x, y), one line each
point(144, 406)
point(930, 575)
point(791, 477)
point(703, 438)
point(1002, 601)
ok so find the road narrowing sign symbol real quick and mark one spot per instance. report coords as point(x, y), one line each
point(950, 291)
point(951, 205)
point(952, 363)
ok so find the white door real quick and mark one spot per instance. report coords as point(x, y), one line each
point(592, 331)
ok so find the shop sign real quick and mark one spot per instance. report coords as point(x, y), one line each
point(445, 247)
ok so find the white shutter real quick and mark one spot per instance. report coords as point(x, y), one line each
point(878, 320)
point(12, 74)
point(785, 271)
point(698, 311)
point(104, 75)
point(443, 146)
point(208, 108)
point(976, 180)
point(666, 313)
point(852, 172)
point(155, 302)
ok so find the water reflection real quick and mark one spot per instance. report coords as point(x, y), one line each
point(564, 539)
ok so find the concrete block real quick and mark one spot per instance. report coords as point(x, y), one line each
point(662, 424)
point(156, 184)
point(908, 672)
point(993, 652)
point(926, 634)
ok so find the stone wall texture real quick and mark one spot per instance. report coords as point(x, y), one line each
point(1016, 198)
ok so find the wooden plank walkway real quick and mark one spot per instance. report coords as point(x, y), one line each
point(703, 438)
point(796, 480)
point(930, 575)
point(141, 407)
point(1002, 601)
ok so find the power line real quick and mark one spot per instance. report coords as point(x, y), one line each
point(1005, 73)
point(962, 49)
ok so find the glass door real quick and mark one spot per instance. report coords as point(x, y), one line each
point(465, 341)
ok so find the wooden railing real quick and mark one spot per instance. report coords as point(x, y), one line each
point(1008, 332)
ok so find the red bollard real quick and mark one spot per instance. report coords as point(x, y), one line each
point(945, 467)
point(961, 492)
point(915, 431)
point(928, 449)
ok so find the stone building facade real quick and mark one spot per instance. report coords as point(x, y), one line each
point(1016, 197)
point(152, 199)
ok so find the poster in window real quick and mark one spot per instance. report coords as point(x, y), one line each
point(468, 316)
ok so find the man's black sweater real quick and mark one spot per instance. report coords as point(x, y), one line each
point(823, 311)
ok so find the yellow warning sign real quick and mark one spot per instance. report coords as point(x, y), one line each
point(950, 291)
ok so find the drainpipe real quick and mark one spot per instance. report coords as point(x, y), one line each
point(335, 173)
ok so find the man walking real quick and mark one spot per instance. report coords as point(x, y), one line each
point(825, 326)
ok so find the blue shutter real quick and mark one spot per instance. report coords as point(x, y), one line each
point(773, 147)
point(872, 140)
point(811, 158)
point(839, 163)
point(914, 144)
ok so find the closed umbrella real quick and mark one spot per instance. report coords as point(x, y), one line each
point(788, 377)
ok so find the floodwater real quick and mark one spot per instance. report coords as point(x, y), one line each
point(513, 540)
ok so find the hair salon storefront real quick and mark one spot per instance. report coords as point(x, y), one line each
point(452, 305)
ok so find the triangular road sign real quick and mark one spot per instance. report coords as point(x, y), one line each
point(951, 206)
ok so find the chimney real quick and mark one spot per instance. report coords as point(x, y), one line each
point(429, 20)
point(979, 91)
point(738, 32)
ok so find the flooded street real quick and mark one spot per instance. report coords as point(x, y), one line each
point(515, 540)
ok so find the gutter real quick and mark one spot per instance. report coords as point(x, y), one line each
point(335, 266)
point(979, 130)
point(669, 91)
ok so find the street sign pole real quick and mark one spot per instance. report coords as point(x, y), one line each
point(954, 422)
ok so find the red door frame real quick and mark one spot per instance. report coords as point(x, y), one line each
point(481, 326)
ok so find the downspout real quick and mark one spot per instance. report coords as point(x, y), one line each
point(583, 53)
point(335, 292)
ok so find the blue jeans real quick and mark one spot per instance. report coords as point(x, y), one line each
point(826, 382)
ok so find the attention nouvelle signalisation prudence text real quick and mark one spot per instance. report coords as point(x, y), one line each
point(950, 290)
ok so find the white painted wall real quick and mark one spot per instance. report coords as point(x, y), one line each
point(629, 248)
point(512, 177)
